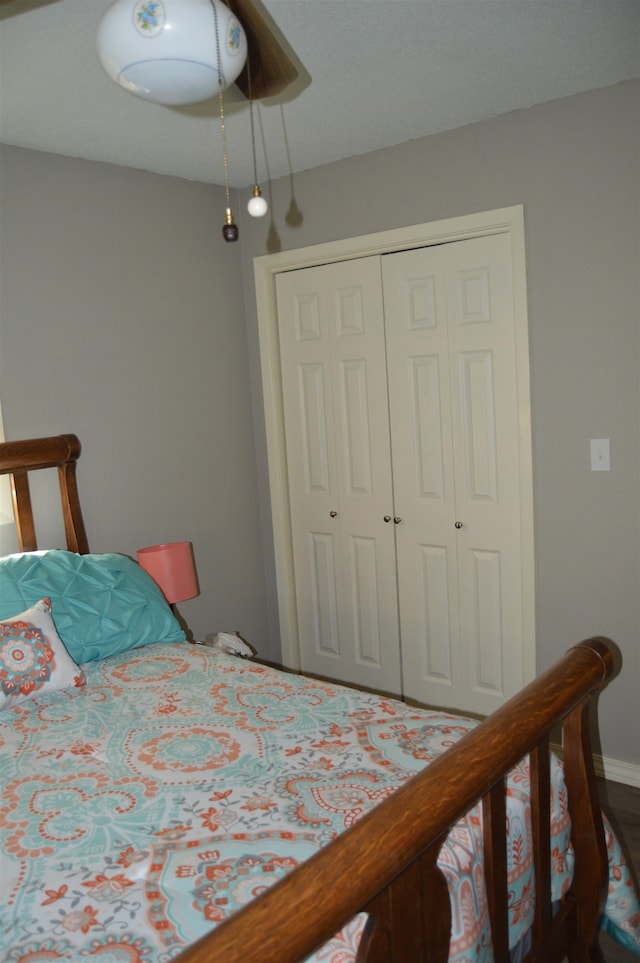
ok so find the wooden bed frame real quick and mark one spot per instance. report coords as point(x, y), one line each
point(17, 459)
point(386, 864)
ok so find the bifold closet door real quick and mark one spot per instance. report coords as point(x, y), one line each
point(332, 345)
point(454, 427)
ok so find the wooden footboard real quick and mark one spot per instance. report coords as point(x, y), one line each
point(387, 863)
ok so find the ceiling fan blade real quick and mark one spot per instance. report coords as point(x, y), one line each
point(273, 64)
point(11, 8)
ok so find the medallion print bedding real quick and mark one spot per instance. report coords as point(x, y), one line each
point(139, 811)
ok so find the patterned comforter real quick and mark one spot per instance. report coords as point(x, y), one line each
point(141, 810)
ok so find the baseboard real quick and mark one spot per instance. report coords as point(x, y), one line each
point(613, 769)
point(617, 771)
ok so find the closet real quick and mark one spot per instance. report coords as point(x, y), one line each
point(404, 424)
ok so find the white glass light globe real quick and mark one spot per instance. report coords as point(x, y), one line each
point(165, 50)
point(257, 206)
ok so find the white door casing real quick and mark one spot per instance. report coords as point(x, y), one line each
point(508, 222)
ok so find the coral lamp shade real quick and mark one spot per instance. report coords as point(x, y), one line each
point(166, 51)
point(172, 567)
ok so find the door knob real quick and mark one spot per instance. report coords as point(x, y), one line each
point(333, 514)
point(387, 518)
point(458, 524)
point(396, 519)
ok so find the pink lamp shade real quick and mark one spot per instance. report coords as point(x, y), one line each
point(172, 567)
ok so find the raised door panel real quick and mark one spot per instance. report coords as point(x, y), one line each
point(322, 617)
point(314, 428)
point(430, 649)
point(333, 367)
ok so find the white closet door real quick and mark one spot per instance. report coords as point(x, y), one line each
point(421, 428)
point(455, 440)
point(331, 331)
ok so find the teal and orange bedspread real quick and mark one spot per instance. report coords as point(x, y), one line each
point(139, 811)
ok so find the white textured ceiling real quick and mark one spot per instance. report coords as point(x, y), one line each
point(381, 72)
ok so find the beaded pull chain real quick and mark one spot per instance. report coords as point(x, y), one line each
point(257, 205)
point(230, 230)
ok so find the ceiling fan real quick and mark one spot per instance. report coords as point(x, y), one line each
point(177, 52)
point(180, 52)
point(270, 69)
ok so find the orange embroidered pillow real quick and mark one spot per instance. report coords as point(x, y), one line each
point(33, 659)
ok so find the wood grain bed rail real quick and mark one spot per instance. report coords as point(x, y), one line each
point(386, 863)
point(18, 458)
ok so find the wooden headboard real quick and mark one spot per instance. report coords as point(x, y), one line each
point(17, 459)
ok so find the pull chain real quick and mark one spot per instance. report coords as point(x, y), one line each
point(253, 135)
point(257, 205)
point(230, 228)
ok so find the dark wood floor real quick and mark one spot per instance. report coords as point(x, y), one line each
point(622, 804)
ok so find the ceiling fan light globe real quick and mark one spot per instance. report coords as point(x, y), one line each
point(170, 82)
point(165, 51)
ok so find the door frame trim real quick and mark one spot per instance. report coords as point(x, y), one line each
point(507, 220)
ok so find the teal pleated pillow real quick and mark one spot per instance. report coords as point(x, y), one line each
point(101, 604)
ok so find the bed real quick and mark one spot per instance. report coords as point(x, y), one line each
point(164, 800)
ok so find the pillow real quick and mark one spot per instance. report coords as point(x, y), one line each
point(33, 659)
point(101, 604)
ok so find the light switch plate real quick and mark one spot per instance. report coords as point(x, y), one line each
point(600, 454)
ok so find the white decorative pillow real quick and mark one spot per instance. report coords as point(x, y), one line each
point(33, 659)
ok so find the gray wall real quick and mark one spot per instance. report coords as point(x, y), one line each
point(575, 166)
point(122, 319)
